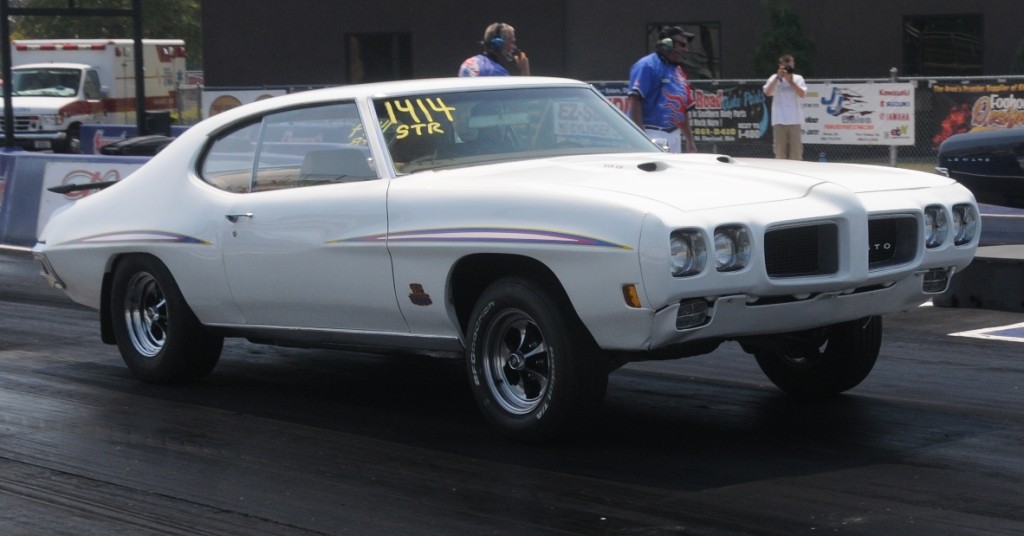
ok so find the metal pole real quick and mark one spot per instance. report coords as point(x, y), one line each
point(892, 148)
point(5, 39)
point(140, 72)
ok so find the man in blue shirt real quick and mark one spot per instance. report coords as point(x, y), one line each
point(500, 52)
point(660, 96)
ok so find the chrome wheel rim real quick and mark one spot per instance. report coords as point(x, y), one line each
point(517, 362)
point(145, 311)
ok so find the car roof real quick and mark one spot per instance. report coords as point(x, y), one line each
point(443, 84)
point(395, 88)
point(50, 65)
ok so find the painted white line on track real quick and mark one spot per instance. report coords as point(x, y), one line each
point(1011, 332)
point(1013, 216)
point(15, 249)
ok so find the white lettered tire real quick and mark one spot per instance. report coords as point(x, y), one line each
point(534, 371)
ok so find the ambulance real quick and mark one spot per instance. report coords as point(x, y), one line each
point(59, 85)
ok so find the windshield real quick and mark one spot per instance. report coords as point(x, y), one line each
point(46, 82)
point(434, 131)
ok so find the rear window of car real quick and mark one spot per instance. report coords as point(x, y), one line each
point(293, 148)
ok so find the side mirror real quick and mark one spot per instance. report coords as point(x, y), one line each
point(661, 142)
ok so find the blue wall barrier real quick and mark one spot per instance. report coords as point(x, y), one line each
point(25, 202)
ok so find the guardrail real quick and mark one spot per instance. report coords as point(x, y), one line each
point(25, 201)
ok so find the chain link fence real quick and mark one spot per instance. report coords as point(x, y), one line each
point(190, 104)
point(942, 106)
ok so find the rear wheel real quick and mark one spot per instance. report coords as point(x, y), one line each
point(159, 336)
point(536, 374)
point(823, 362)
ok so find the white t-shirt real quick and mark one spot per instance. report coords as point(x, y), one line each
point(786, 108)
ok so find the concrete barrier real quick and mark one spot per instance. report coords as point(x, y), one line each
point(25, 202)
point(994, 280)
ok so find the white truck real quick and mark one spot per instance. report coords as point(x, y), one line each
point(59, 85)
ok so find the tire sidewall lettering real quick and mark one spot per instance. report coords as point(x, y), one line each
point(474, 343)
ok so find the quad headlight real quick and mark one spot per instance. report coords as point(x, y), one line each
point(50, 120)
point(936, 225)
point(965, 224)
point(732, 248)
point(688, 252)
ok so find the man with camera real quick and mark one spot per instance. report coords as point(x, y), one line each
point(786, 89)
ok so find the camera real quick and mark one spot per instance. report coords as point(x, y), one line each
point(789, 69)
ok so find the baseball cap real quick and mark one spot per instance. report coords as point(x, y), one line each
point(673, 31)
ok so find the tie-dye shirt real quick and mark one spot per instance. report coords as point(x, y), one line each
point(664, 91)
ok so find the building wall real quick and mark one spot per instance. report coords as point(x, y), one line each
point(267, 42)
point(302, 42)
point(854, 39)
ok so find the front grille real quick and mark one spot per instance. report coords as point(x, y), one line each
point(802, 251)
point(22, 123)
point(892, 241)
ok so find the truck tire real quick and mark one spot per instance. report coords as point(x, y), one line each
point(72, 143)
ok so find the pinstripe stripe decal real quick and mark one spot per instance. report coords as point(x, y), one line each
point(489, 235)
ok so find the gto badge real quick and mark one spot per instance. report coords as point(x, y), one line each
point(418, 296)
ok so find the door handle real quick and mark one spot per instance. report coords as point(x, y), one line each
point(234, 217)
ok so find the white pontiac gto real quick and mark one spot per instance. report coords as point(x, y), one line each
point(522, 224)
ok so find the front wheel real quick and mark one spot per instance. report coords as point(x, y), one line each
point(823, 362)
point(159, 336)
point(534, 371)
point(72, 143)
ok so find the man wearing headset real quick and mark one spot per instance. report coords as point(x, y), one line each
point(660, 97)
point(500, 53)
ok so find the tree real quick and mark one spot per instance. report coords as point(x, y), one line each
point(161, 19)
point(783, 36)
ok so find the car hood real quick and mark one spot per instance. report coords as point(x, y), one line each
point(24, 104)
point(687, 182)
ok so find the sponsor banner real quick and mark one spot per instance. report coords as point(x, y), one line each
point(76, 172)
point(730, 113)
point(859, 114)
point(724, 113)
point(218, 101)
point(966, 106)
point(617, 93)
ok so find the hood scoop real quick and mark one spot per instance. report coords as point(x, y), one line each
point(658, 165)
point(652, 166)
